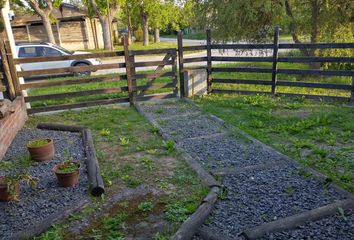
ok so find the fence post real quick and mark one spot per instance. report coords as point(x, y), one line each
point(13, 71)
point(7, 73)
point(180, 61)
point(130, 72)
point(174, 70)
point(275, 59)
point(352, 93)
point(208, 38)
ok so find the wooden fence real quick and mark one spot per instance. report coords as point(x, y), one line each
point(127, 85)
point(274, 70)
point(131, 85)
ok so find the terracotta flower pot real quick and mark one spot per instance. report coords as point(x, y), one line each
point(5, 195)
point(69, 179)
point(43, 152)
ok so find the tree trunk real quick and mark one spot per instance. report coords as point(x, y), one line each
point(314, 23)
point(130, 29)
point(157, 35)
point(48, 28)
point(315, 12)
point(145, 26)
point(293, 27)
point(107, 41)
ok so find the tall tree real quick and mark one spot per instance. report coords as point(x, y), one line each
point(105, 10)
point(44, 8)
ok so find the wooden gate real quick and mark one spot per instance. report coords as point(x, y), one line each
point(120, 78)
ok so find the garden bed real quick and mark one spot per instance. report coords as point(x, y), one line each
point(39, 207)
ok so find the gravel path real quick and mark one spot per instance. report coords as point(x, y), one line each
point(255, 196)
point(48, 198)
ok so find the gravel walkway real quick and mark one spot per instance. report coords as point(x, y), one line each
point(264, 186)
point(48, 199)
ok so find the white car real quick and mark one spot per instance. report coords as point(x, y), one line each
point(26, 50)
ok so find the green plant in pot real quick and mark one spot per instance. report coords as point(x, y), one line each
point(67, 172)
point(41, 149)
point(10, 186)
point(14, 172)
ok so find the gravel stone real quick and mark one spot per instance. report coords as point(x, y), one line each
point(169, 109)
point(48, 198)
point(226, 151)
point(190, 126)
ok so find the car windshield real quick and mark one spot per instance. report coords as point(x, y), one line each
point(64, 50)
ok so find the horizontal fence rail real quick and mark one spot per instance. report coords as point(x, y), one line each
point(68, 57)
point(75, 69)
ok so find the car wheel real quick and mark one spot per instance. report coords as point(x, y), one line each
point(85, 73)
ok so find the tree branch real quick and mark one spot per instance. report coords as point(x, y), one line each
point(94, 6)
point(35, 5)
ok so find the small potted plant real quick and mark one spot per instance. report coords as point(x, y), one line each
point(67, 172)
point(41, 149)
point(10, 186)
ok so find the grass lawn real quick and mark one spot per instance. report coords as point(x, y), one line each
point(317, 134)
point(130, 153)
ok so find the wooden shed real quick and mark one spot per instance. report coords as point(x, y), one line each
point(73, 30)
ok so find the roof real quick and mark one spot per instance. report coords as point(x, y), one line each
point(65, 11)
